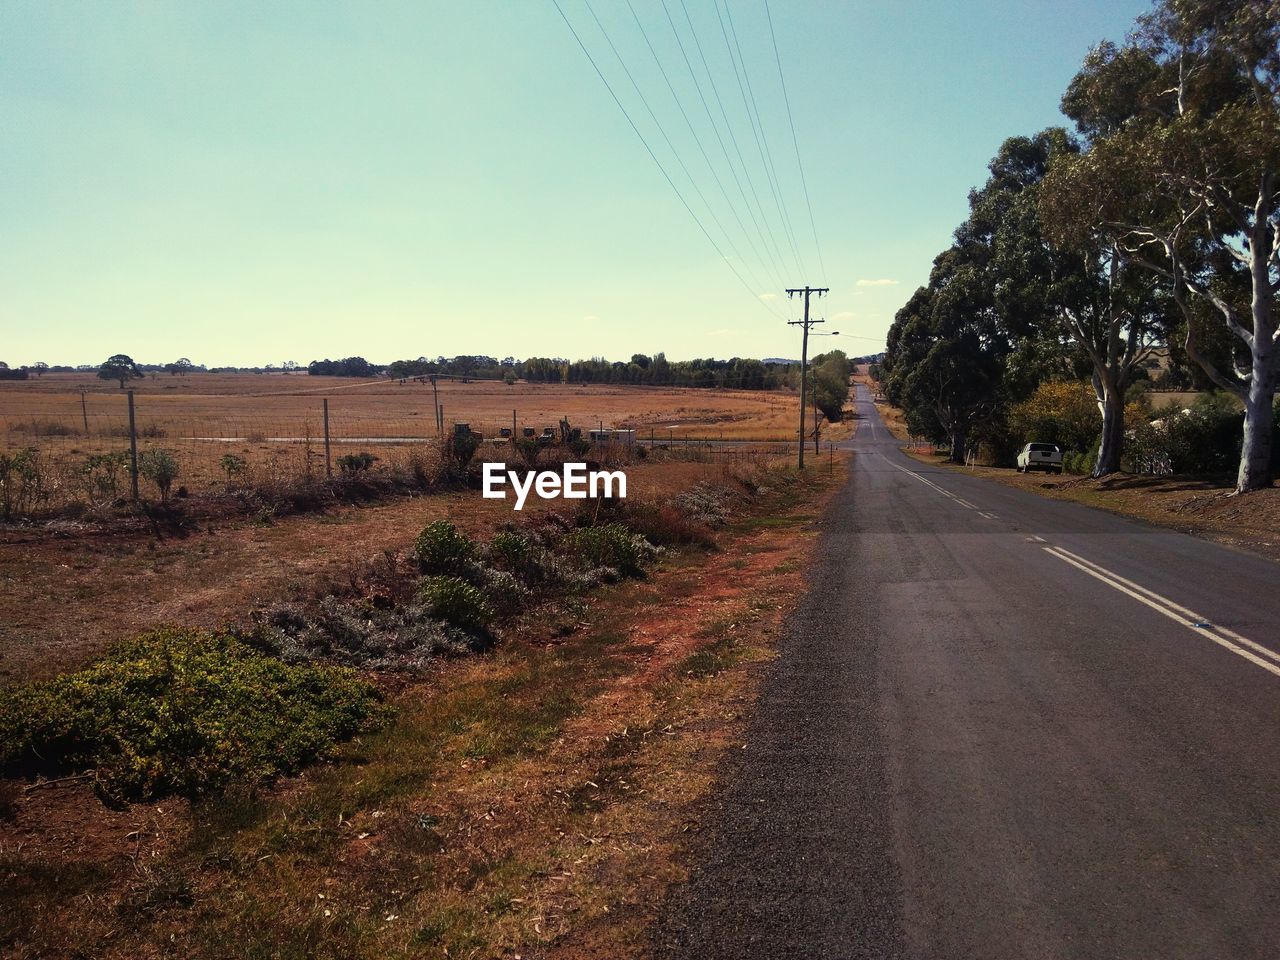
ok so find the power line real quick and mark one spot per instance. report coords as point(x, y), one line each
point(757, 126)
point(654, 157)
point(697, 85)
point(671, 146)
point(746, 172)
point(795, 141)
point(698, 140)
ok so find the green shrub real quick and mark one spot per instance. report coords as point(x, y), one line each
point(455, 601)
point(100, 475)
point(181, 711)
point(402, 637)
point(456, 450)
point(611, 545)
point(233, 466)
point(160, 467)
point(509, 551)
point(24, 482)
point(442, 549)
point(1204, 439)
point(354, 464)
point(505, 593)
point(1079, 463)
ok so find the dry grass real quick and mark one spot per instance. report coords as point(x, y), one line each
point(69, 592)
point(531, 803)
point(279, 404)
point(274, 422)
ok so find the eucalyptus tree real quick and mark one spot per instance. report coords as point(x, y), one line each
point(1182, 177)
point(943, 358)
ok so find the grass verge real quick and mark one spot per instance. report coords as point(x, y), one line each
point(529, 802)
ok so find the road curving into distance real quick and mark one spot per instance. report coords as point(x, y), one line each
point(1001, 726)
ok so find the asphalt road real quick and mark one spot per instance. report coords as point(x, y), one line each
point(1002, 726)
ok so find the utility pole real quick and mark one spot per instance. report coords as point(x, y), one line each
point(805, 324)
point(435, 403)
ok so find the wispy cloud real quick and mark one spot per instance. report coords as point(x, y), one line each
point(877, 283)
point(844, 315)
point(768, 296)
point(590, 318)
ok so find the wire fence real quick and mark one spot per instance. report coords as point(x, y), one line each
point(87, 450)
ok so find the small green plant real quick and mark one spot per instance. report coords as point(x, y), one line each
point(235, 467)
point(354, 464)
point(24, 482)
point(455, 601)
point(508, 550)
point(161, 468)
point(442, 549)
point(612, 545)
point(181, 711)
point(457, 449)
point(529, 449)
point(100, 476)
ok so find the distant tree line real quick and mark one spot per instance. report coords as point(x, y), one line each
point(642, 370)
point(830, 371)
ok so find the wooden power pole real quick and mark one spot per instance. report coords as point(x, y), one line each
point(805, 324)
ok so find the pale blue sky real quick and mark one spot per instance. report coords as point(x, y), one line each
point(255, 182)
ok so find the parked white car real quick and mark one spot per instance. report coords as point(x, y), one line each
point(1040, 456)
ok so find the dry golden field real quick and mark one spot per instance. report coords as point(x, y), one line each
point(286, 405)
point(275, 421)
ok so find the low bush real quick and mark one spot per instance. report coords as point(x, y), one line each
point(161, 468)
point(100, 476)
point(395, 637)
point(45, 428)
point(1081, 464)
point(180, 711)
point(356, 463)
point(667, 525)
point(1204, 439)
point(442, 549)
point(611, 545)
point(504, 592)
point(25, 482)
point(455, 601)
point(704, 504)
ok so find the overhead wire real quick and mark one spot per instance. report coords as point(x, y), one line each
point(752, 108)
point(724, 192)
point(654, 157)
point(746, 172)
point(795, 141)
point(671, 146)
point(766, 261)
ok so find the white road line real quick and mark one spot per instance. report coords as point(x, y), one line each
point(1035, 539)
point(989, 516)
point(929, 483)
point(1190, 614)
point(1173, 611)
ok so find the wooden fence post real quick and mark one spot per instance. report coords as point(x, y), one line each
point(133, 449)
point(328, 460)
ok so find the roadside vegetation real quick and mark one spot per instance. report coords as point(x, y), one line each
point(1139, 251)
point(474, 745)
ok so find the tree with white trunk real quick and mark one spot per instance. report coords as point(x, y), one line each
point(1182, 179)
